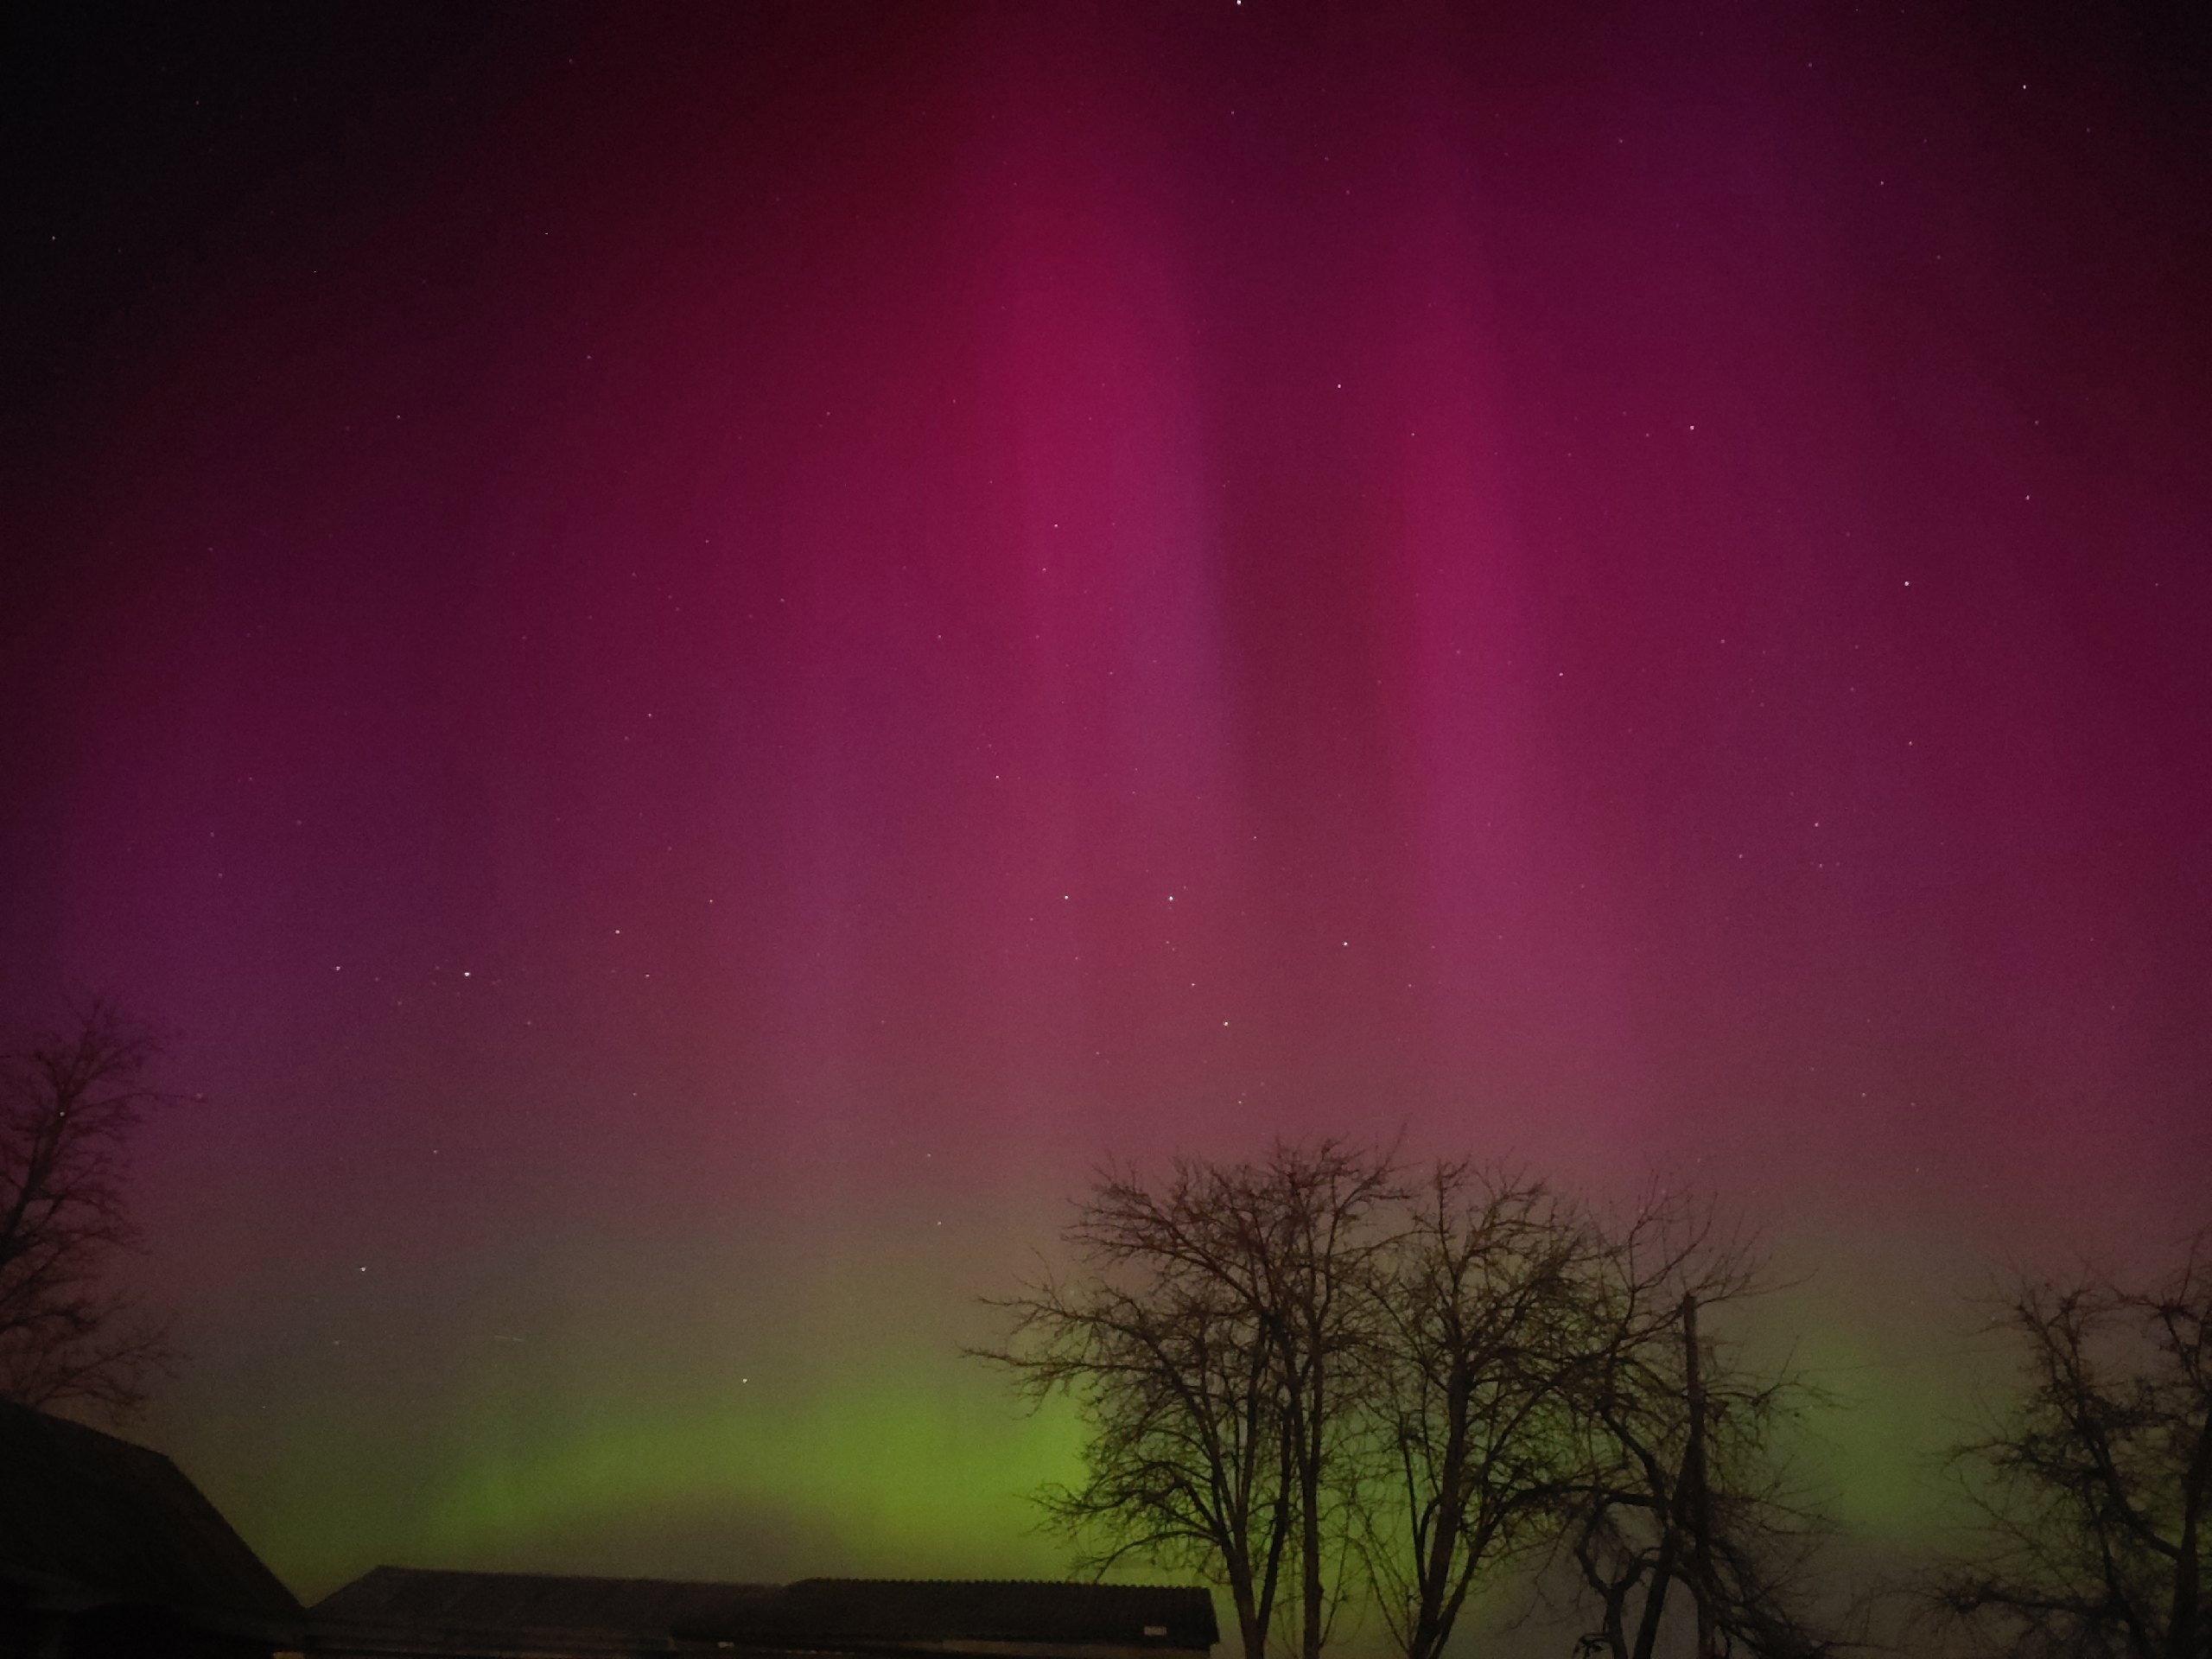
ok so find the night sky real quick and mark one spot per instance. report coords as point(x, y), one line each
point(695, 653)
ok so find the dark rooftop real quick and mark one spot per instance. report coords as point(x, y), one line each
point(894, 1610)
point(851, 1613)
point(423, 1596)
point(92, 1518)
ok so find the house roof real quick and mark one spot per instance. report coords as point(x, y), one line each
point(87, 1519)
point(813, 1613)
point(894, 1610)
point(424, 1596)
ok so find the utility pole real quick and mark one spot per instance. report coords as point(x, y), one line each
point(1693, 1495)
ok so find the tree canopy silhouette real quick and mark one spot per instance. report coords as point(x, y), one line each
point(1682, 1487)
point(1212, 1338)
point(1482, 1327)
point(1309, 1377)
point(69, 1101)
point(2094, 1485)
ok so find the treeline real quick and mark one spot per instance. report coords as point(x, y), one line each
point(1323, 1379)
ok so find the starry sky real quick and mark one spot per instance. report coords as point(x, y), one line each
point(696, 653)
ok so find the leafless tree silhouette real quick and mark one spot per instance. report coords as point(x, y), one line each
point(1302, 1377)
point(2094, 1485)
point(1210, 1339)
point(1481, 1333)
point(69, 1100)
point(1682, 1485)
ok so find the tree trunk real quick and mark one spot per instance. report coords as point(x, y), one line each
point(1310, 1555)
point(1692, 1488)
point(2185, 1613)
point(1435, 1571)
point(1655, 1599)
point(1251, 1627)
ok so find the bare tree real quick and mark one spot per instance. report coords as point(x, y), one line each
point(1482, 1336)
point(69, 1100)
point(1210, 1340)
point(2094, 1486)
point(1682, 1485)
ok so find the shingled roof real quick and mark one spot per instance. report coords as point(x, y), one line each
point(814, 1615)
point(88, 1520)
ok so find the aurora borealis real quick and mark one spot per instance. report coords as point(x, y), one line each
point(698, 653)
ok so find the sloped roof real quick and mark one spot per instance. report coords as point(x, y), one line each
point(91, 1518)
point(854, 1613)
